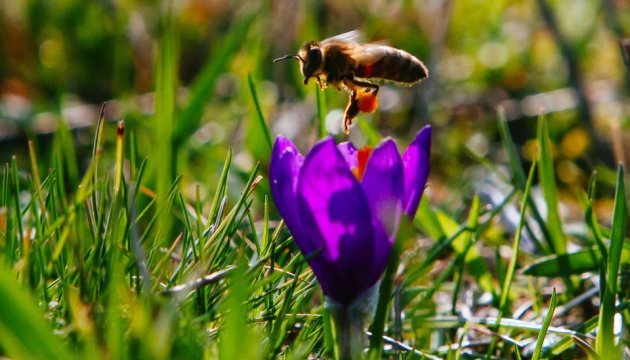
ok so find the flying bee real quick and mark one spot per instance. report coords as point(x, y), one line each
point(341, 61)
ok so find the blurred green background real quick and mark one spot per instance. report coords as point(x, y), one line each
point(61, 59)
point(195, 83)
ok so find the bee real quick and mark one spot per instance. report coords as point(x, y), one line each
point(346, 64)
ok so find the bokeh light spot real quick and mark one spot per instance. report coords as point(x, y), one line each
point(51, 53)
point(575, 143)
point(493, 55)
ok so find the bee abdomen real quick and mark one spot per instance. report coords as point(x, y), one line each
point(396, 65)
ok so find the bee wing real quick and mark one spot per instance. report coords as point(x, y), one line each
point(350, 37)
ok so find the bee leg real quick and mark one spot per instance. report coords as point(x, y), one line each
point(319, 81)
point(352, 110)
point(366, 85)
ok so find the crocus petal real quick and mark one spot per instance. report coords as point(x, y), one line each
point(329, 190)
point(333, 207)
point(284, 167)
point(416, 169)
point(384, 186)
point(349, 153)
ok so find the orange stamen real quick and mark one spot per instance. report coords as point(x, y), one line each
point(362, 158)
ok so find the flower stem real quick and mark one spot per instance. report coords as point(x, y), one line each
point(350, 323)
point(350, 334)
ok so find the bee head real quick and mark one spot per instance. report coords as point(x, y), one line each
point(311, 56)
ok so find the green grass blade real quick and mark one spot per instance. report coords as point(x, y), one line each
point(372, 135)
point(264, 238)
point(37, 181)
point(475, 264)
point(578, 262)
point(545, 326)
point(16, 199)
point(97, 147)
point(279, 326)
point(587, 348)
point(237, 339)
point(605, 343)
point(427, 221)
point(117, 299)
point(203, 86)
point(4, 189)
point(505, 289)
point(591, 218)
point(66, 151)
point(120, 156)
point(378, 324)
point(321, 112)
point(469, 240)
point(513, 159)
point(220, 190)
point(165, 83)
point(518, 175)
point(329, 338)
point(262, 125)
point(24, 333)
point(547, 180)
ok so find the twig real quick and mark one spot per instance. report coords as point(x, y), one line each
point(198, 283)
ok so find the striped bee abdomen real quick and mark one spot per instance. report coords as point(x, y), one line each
point(394, 65)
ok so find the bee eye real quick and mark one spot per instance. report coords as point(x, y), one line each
point(315, 56)
point(312, 62)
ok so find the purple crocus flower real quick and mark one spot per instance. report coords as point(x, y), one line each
point(343, 206)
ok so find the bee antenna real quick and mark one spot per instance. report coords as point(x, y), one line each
point(285, 57)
